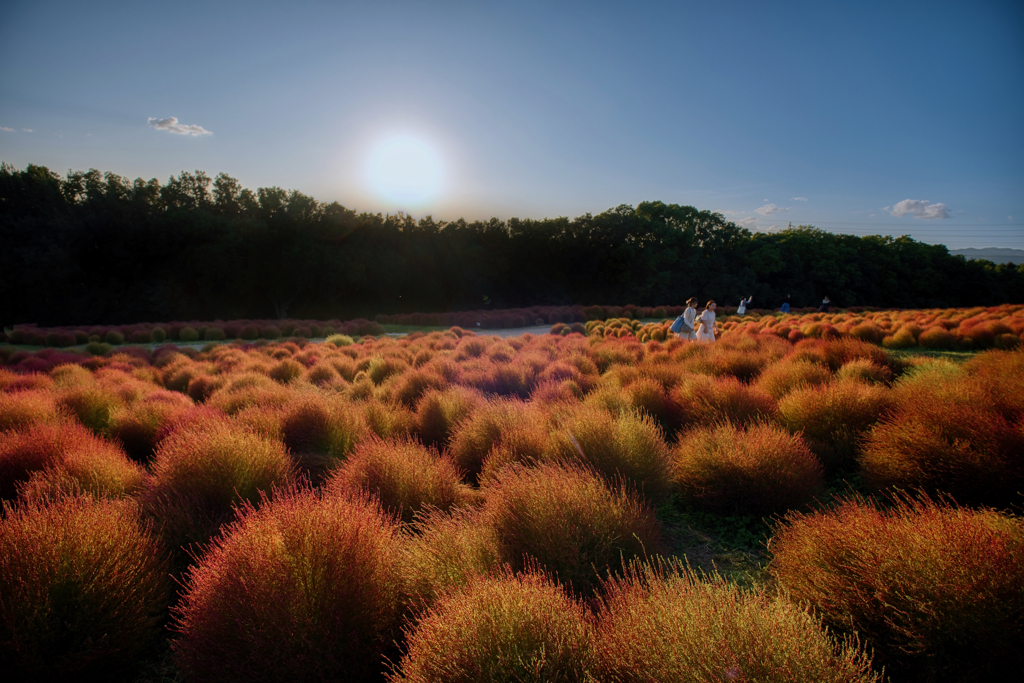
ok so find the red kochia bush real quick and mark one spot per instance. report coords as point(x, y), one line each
point(705, 400)
point(23, 408)
point(505, 627)
point(304, 589)
point(485, 428)
point(661, 623)
point(569, 520)
point(937, 591)
point(439, 411)
point(83, 588)
point(321, 430)
point(953, 440)
point(406, 477)
point(68, 451)
point(758, 470)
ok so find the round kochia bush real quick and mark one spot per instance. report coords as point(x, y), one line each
point(83, 590)
point(629, 446)
point(662, 623)
point(569, 520)
point(936, 591)
point(757, 470)
point(304, 589)
point(505, 627)
point(203, 469)
point(405, 475)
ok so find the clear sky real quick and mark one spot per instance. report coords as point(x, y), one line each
point(857, 117)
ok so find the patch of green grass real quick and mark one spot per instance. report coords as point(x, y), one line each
point(954, 356)
point(733, 545)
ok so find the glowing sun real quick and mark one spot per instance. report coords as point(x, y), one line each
point(405, 169)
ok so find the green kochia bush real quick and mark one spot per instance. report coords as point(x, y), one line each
point(83, 590)
point(662, 623)
point(936, 591)
point(304, 589)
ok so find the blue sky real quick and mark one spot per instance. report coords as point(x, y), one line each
point(863, 118)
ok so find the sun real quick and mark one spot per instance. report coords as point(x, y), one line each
point(406, 170)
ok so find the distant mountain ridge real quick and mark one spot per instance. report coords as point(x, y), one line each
point(994, 254)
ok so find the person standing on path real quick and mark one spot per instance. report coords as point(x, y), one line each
point(707, 327)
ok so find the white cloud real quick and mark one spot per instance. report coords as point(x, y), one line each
point(171, 125)
point(746, 222)
point(769, 209)
point(1009, 218)
point(799, 199)
point(919, 208)
point(27, 130)
point(6, 129)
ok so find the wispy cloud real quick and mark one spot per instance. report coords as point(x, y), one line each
point(919, 208)
point(799, 199)
point(769, 209)
point(6, 129)
point(27, 130)
point(171, 125)
point(746, 222)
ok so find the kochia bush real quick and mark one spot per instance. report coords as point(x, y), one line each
point(505, 627)
point(662, 623)
point(304, 589)
point(83, 588)
point(935, 590)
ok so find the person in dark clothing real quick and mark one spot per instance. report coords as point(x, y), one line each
point(785, 304)
point(825, 303)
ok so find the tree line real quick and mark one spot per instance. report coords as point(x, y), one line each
point(97, 248)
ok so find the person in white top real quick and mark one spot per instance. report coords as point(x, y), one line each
point(742, 310)
point(689, 317)
point(706, 326)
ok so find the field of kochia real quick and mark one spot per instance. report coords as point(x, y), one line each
point(452, 506)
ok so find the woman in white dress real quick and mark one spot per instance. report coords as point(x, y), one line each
point(706, 326)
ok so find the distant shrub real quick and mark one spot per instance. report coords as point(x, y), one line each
point(705, 400)
point(321, 431)
point(935, 590)
point(83, 587)
point(262, 332)
point(339, 340)
point(629, 446)
point(505, 627)
point(439, 411)
point(286, 371)
point(92, 405)
point(778, 379)
point(113, 337)
point(569, 520)
point(139, 426)
point(158, 334)
point(214, 333)
point(662, 623)
point(404, 475)
point(758, 470)
point(864, 370)
point(188, 334)
point(304, 589)
point(833, 418)
point(202, 470)
point(485, 428)
point(937, 338)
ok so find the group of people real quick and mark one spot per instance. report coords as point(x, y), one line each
point(703, 328)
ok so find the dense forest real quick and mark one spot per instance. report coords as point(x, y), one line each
point(96, 248)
